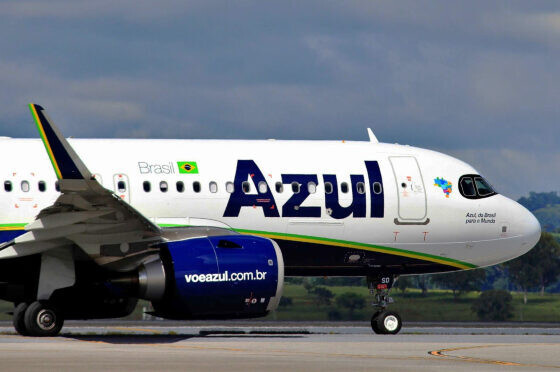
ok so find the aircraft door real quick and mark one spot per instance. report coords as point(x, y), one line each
point(122, 186)
point(410, 188)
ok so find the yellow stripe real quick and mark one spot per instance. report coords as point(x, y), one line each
point(356, 246)
point(442, 353)
point(46, 142)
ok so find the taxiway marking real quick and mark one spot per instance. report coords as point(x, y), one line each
point(442, 353)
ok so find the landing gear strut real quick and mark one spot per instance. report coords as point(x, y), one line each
point(39, 318)
point(383, 321)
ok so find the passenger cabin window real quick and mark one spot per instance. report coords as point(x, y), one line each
point(279, 187)
point(361, 187)
point(344, 187)
point(163, 186)
point(180, 186)
point(246, 186)
point(263, 188)
point(42, 186)
point(196, 186)
point(312, 187)
point(229, 187)
point(121, 186)
point(377, 189)
point(328, 188)
point(213, 187)
point(25, 186)
point(147, 186)
point(474, 186)
point(295, 187)
point(8, 186)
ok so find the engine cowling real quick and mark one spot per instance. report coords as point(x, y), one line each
point(217, 277)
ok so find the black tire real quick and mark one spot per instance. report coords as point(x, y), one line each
point(42, 319)
point(389, 323)
point(18, 319)
point(374, 325)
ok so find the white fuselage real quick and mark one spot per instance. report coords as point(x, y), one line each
point(417, 216)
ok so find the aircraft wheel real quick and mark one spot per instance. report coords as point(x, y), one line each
point(42, 319)
point(388, 323)
point(374, 325)
point(18, 319)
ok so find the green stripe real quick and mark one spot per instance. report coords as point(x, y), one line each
point(419, 255)
point(45, 143)
point(14, 225)
point(365, 245)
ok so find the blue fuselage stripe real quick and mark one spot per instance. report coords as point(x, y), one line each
point(7, 235)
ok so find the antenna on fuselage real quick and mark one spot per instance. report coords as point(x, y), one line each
point(372, 137)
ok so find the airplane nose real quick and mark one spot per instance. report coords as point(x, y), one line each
point(530, 231)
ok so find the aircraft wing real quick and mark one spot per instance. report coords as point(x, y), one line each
point(86, 214)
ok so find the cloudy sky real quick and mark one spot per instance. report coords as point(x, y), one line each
point(477, 80)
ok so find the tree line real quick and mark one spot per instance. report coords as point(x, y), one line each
point(536, 271)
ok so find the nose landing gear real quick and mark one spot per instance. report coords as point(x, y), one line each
point(383, 322)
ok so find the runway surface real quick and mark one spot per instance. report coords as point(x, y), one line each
point(155, 347)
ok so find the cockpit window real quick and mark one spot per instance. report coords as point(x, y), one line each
point(467, 186)
point(474, 186)
point(483, 187)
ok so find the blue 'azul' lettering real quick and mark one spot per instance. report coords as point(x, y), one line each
point(248, 169)
point(358, 206)
point(292, 207)
point(375, 191)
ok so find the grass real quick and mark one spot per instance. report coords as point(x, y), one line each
point(438, 305)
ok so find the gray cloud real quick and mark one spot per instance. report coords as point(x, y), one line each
point(479, 80)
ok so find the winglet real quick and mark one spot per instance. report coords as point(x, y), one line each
point(372, 137)
point(65, 161)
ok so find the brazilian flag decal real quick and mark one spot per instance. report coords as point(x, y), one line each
point(187, 167)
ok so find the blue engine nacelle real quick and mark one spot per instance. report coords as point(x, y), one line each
point(231, 276)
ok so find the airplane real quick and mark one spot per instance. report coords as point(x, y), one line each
point(208, 229)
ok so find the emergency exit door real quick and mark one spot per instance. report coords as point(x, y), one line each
point(410, 188)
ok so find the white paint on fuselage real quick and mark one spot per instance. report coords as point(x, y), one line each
point(446, 235)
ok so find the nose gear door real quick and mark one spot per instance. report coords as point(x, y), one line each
point(410, 188)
